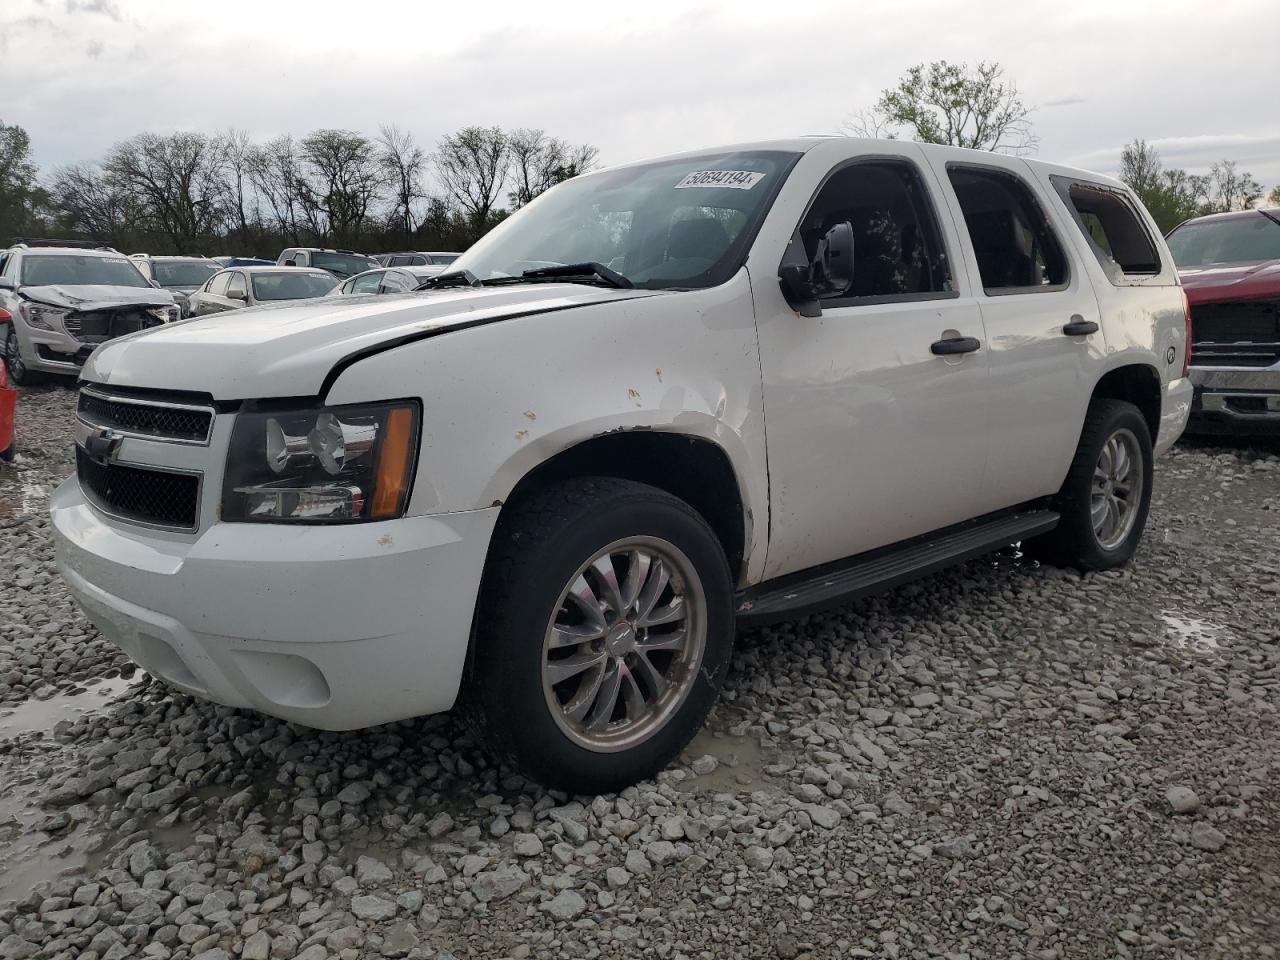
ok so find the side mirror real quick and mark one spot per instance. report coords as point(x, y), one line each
point(155, 284)
point(290, 263)
point(240, 295)
point(829, 273)
point(6, 283)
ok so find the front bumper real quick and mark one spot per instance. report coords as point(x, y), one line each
point(336, 627)
point(53, 351)
point(1232, 400)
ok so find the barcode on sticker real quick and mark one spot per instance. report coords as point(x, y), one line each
point(730, 179)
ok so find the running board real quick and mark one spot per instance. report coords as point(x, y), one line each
point(835, 583)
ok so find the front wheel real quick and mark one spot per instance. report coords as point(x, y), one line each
point(1107, 493)
point(604, 630)
point(19, 375)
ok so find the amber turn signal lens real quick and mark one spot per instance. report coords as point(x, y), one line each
point(392, 484)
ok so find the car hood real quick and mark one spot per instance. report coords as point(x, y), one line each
point(94, 296)
point(287, 350)
point(1232, 281)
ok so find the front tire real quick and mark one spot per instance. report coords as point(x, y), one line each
point(1107, 494)
point(604, 630)
point(19, 375)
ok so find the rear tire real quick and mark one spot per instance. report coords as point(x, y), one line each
point(1107, 494)
point(598, 587)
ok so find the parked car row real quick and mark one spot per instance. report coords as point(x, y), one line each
point(59, 299)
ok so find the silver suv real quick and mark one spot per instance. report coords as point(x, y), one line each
point(60, 299)
point(181, 276)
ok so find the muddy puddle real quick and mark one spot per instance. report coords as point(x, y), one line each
point(42, 715)
point(1193, 633)
point(739, 768)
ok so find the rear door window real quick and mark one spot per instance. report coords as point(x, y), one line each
point(1016, 249)
point(218, 285)
point(1112, 226)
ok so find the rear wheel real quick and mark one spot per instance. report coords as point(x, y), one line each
point(604, 629)
point(19, 375)
point(1107, 494)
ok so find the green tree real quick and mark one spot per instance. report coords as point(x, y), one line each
point(974, 107)
point(1171, 196)
point(22, 201)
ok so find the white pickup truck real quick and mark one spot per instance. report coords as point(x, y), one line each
point(662, 400)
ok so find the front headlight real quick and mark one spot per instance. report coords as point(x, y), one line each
point(43, 317)
point(327, 465)
point(166, 314)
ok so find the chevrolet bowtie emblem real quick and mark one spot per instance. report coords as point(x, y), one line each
point(101, 445)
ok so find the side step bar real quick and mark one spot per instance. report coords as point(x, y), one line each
point(835, 583)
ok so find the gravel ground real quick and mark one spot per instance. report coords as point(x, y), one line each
point(1001, 761)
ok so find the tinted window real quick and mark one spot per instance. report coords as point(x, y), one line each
point(290, 285)
point(72, 269)
point(218, 285)
point(1012, 240)
point(183, 273)
point(237, 288)
point(1230, 240)
point(896, 247)
point(441, 259)
point(343, 264)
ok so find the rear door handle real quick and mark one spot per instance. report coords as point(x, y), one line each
point(954, 345)
point(1080, 327)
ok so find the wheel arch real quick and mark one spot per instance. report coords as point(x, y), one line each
point(692, 468)
point(1136, 383)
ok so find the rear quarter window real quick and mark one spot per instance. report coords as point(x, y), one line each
point(1113, 227)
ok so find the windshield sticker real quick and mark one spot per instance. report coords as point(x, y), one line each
point(727, 179)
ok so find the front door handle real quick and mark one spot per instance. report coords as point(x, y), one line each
point(955, 345)
point(1079, 327)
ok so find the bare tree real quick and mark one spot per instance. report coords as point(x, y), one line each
point(472, 166)
point(1171, 196)
point(177, 178)
point(339, 185)
point(404, 164)
point(870, 124)
point(274, 170)
point(237, 151)
point(1230, 189)
point(953, 104)
point(1273, 198)
point(539, 162)
point(95, 204)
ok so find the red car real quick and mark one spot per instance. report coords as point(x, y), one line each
point(8, 401)
point(1230, 267)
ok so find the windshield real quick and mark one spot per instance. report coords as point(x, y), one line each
point(183, 273)
point(672, 224)
point(1233, 240)
point(71, 269)
point(290, 285)
point(343, 264)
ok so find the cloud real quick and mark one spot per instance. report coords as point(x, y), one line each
point(107, 8)
point(1064, 102)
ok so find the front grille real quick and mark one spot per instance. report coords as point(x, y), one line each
point(1244, 334)
point(146, 418)
point(99, 326)
point(134, 493)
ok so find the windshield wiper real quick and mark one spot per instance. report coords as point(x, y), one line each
point(586, 272)
point(454, 278)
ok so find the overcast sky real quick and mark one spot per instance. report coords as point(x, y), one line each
point(637, 79)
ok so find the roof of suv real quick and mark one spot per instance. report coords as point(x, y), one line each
point(274, 268)
point(68, 251)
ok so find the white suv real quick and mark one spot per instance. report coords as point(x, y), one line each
point(659, 401)
point(60, 299)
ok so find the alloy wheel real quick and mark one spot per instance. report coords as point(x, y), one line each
point(624, 644)
point(1117, 489)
